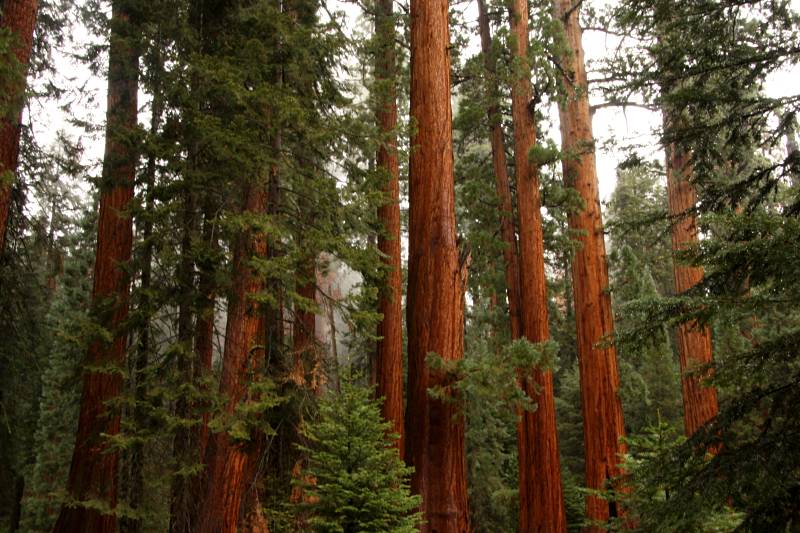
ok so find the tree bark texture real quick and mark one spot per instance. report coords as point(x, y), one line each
point(18, 16)
point(435, 311)
point(541, 494)
point(93, 471)
point(501, 181)
point(230, 463)
point(694, 340)
point(599, 374)
point(389, 356)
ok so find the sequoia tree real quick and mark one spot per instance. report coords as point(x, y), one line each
point(541, 494)
point(229, 457)
point(19, 18)
point(389, 357)
point(92, 483)
point(435, 309)
point(500, 167)
point(599, 374)
point(694, 339)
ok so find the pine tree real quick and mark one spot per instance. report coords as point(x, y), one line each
point(360, 483)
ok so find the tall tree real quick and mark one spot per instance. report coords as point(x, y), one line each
point(500, 166)
point(541, 494)
point(694, 339)
point(228, 457)
point(599, 374)
point(19, 18)
point(92, 483)
point(435, 309)
point(389, 357)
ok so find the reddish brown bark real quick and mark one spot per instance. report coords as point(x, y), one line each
point(389, 353)
point(435, 312)
point(599, 374)
point(19, 16)
point(304, 329)
point(93, 471)
point(501, 181)
point(694, 340)
point(229, 462)
point(541, 494)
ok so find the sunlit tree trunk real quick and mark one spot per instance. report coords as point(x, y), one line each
point(694, 340)
point(599, 374)
point(541, 494)
point(501, 181)
point(19, 17)
point(93, 471)
point(435, 310)
point(229, 462)
point(389, 357)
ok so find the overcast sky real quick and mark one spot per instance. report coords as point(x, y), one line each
point(633, 125)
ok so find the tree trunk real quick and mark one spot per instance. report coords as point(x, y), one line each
point(541, 494)
point(229, 461)
point(143, 346)
point(19, 17)
point(304, 328)
point(599, 375)
point(435, 312)
point(501, 181)
point(389, 358)
point(694, 341)
point(93, 471)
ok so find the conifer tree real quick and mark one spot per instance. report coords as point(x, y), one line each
point(541, 494)
point(602, 408)
point(389, 356)
point(92, 483)
point(18, 18)
point(360, 483)
point(437, 277)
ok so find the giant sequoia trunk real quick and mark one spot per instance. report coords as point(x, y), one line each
point(435, 312)
point(541, 495)
point(599, 376)
point(389, 356)
point(19, 17)
point(93, 471)
point(230, 462)
point(501, 183)
point(694, 340)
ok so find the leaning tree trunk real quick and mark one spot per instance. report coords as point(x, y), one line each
point(599, 375)
point(93, 471)
point(229, 461)
point(694, 340)
point(541, 494)
point(389, 356)
point(501, 181)
point(19, 17)
point(435, 312)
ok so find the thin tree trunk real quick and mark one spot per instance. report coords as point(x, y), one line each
point(694, 340)
point(305, 326)
point(599, 374)
point(435, 312)
point(389, 358)
point(19, 17)
point(229, 462)
point(501, 180)
point(136, 457)
point(181, 507)
point(93, 471)
point(541, 494)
